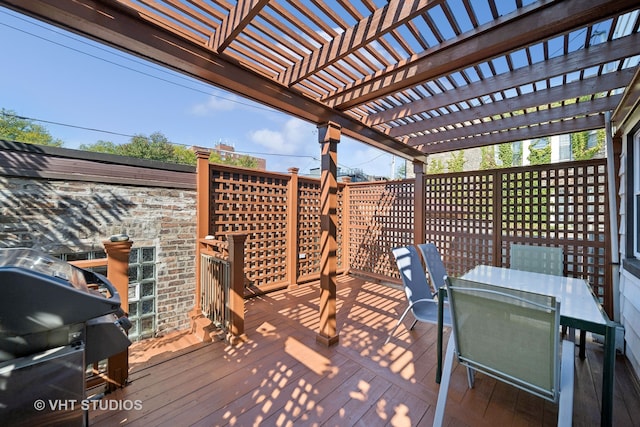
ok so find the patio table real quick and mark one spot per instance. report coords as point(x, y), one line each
point(579, 308)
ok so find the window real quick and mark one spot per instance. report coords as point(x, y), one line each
point(142, 287)
point(142, 293)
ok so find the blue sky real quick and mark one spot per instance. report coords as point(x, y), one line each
point(72, 83)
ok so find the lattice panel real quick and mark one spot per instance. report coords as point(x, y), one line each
point(256, 204)
point(561, 205)
point(380, 218)
point(309, 210)
point(459, 219)
point(308, 227)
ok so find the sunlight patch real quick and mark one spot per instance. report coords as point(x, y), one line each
point(310, 358)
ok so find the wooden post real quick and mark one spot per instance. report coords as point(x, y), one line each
point(292, 225)
point(419, 204)
point(328, 136)
point(236, 291)
point(118, 274)
point(346, 230)
point(203, 181)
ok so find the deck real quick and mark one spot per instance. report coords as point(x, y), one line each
point(280, 376)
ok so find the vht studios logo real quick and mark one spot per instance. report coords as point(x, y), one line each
point(85, 405)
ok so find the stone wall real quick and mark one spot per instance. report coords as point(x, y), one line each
point(76, 215)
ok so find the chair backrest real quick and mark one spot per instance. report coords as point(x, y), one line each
point(412, 273)
point(510, 335)
point(434, 264)
point(538, 259)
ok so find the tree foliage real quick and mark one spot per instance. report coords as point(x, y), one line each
point(456, 162)
point(540, 156)
point(580, 144)
point(101, 147)
point(19, 129)
point(435, 166)
point(155, 147)
point(487, 158)
point(505, 154)
point(243, 161)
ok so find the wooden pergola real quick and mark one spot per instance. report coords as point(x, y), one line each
point(411, 77)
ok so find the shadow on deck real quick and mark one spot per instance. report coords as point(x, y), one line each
point(281, 377)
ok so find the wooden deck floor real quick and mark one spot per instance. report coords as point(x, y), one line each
point(281, 377)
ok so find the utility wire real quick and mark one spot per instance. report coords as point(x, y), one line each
point(177, 75)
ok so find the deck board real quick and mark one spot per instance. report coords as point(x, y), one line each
point(280, 376)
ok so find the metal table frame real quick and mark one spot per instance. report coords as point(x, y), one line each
point(579, 308)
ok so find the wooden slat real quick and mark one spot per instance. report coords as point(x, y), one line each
point(541, 131)
point(233, 24)
point(514, 122)
point(509, 33)
point(605, 52)
point(396, 13)
point(605, 82)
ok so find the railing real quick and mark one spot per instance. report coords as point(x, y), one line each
point(214, 289)
point(220, 294)
point(116, 372)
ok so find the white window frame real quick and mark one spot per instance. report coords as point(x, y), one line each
point(636, 194)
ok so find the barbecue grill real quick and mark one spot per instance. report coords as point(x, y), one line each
point(55, 319)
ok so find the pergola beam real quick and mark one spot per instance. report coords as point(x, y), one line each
point(580, 88)
point(540, 131)
point(559, 66)
point(368, 30)
point(583, 108)
point(511, 32)
point(121, 27)
point(238, 18)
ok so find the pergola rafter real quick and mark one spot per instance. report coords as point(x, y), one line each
point(380, 73)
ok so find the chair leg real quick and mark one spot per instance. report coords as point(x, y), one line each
point(471, 377)
point(565, 404)
point(413, 324)
point(583, 339)
point(397, 324)
point(444, 383)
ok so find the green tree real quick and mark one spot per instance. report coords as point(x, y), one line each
point(456, 162)
point(246, 161)
point(540, 156)
point(19, 129)
point(184, 155)
point(155, 147)
point(401, 171)
point(243, 161)
point(435, 166)
point(101, 147)
point(580, 144)
point(505, 154)
point(487, 158)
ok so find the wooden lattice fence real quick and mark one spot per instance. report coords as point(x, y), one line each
point(473, 217)
point(259, 204)
point(380, 218)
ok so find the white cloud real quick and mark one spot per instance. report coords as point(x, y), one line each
point(215, 103)
point(294, 138)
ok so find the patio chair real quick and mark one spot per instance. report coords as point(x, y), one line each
point(434, 265)
point(512, 336)
point(422, 301)
point(538, 259)
point(547, 260)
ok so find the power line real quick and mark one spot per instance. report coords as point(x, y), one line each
point(142, 63)
point(252, 105)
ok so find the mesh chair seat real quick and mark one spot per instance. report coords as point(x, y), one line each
point(512, 336)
